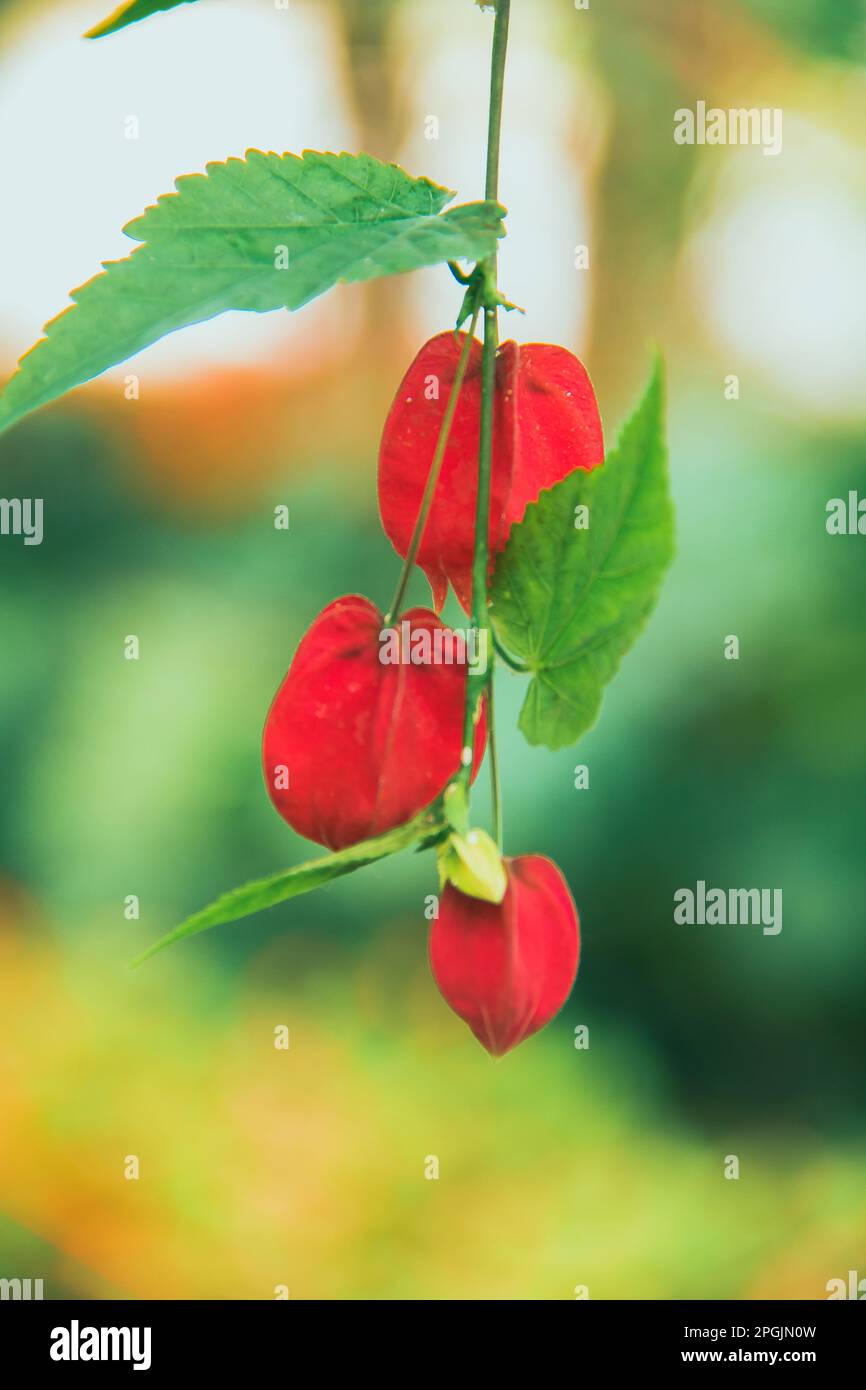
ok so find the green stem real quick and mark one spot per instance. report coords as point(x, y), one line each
point(495, 787)
point(433, 475)
point(459, 275)
point(497, 87)
point(477, 684)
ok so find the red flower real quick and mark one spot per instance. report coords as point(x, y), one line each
point(352, 746)
point(508, 968)
point(546, 424)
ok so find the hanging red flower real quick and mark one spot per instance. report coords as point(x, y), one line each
point(507, 968)
point(355, 745)
point(546, 424)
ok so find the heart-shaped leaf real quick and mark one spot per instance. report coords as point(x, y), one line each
point(581, 573)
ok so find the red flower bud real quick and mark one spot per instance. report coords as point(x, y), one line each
point(508, 968)
point(354, 746)
point(546, 424)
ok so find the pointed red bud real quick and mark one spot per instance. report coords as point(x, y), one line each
point(508, 968)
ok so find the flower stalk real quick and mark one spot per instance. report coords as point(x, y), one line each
point(479, 683)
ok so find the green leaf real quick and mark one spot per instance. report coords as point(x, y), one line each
point(303, 878)
point(129, 12)
point(570, 602)
point(265, 232)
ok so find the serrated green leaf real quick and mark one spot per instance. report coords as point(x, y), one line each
point(129, 12)
point(265, 232)
point(569, 602)
point(303, 878)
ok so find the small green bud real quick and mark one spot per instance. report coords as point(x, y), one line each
point(474, 865)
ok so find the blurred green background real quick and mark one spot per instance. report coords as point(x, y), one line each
point(558, 1167)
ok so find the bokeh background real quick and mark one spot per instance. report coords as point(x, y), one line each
point(558, 1167)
